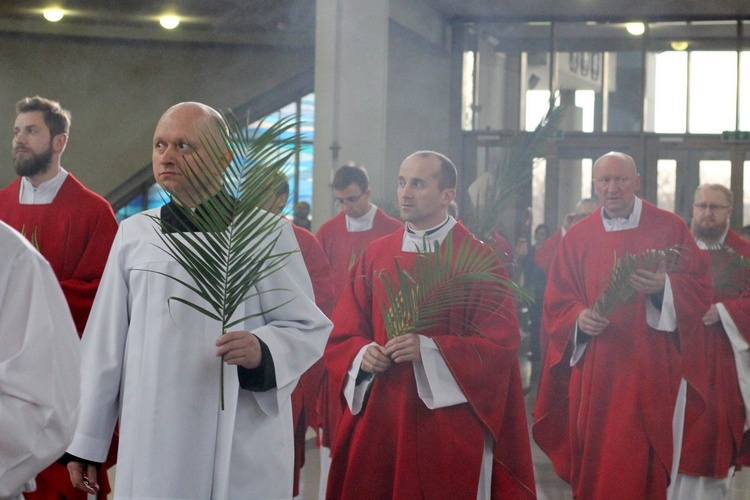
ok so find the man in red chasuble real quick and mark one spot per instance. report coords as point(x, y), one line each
point(71, 226)
point(610, 408)
point(713, 445)
point(433, 414)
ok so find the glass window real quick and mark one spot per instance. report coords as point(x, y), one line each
point(467, 91)
point(670, 92)
point(539, 172)
point(666, 174)
point(745, 90)
point(133, 207)
point(715, 172)
point(587, 178)
point(713, 74)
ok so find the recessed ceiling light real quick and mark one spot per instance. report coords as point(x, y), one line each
point(169, 22)
point(681, 45)
point(636, 29)
point(53, 15)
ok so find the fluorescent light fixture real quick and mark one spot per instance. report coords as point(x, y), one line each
point(636, 29)
point(53, 15)
point(169, 22)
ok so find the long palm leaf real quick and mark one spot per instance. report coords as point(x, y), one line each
point(232, 246)
point(467, 277)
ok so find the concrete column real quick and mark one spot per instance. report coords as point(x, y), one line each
point(351, 75)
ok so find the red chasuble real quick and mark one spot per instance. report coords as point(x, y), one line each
point(398, 448)
point(606, 422)
point(74, 233)
point(712, 444)
point(546, 251)
point(305, 395)
point(342, 249)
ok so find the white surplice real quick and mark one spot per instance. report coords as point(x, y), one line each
point(39, 365)
point(153, 364)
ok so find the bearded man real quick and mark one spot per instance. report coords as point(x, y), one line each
point(713, 445)
point(71, 226)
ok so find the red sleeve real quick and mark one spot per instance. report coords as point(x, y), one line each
point(546, 251)
point(318, 268)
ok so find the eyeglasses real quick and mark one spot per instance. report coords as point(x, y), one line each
point(338, 202)
point(713, 208)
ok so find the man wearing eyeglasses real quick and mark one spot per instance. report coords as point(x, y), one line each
point(343, 239)
point(610, 407)
point(712, 446)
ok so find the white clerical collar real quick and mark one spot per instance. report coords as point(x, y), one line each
point(623, 223)
point(416, 240)
point(710, 246)
point(44, 193)
point(363, 223)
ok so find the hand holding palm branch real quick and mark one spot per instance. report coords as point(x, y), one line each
point(617, 289)
point(730, 271)
point(466, 277)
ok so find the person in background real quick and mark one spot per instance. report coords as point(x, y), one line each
point(610, 407)
point(534, 281)
point(39, 366)
point(714, 444)
point(70, 225)
point(302, 215)
point(343, 239)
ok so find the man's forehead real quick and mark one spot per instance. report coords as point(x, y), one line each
point(177, 129)
point(353, 187)
point(30, 118)
point(709, 192)
point(416, 167)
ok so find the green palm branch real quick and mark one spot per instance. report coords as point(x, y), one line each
point(513, 171)
point(617, 289)
point(231, 247)
point(730, 271)
point(467, 277)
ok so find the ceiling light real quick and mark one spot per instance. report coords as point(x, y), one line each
point(53, 15)
point(679, 45)
point(635, 28)
point(169, 22)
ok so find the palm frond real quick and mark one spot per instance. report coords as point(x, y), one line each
point(445, 278)
point(230, 247)
point(512, 171)
point(617, 289)
point(730, 271)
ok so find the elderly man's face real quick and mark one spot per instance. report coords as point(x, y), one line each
point(178, 151)
point(711, 213)
point(615, 183)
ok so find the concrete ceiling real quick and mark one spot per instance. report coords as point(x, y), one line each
point(292, 22)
